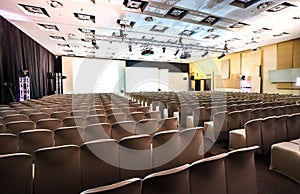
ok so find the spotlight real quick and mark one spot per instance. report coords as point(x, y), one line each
point(94, 43)
point(221, 56)
point(204, 54)
point(163, 49)
point(176, 52)
point(130, 48)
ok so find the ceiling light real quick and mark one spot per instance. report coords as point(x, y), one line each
point(281, 6)
point(264, 5)
point(147, 52)
point(149, 19)
point(204, 54)
point(135, 4)
point(185, 55)
point(163, 49)
point(296, 17)
point(130, 48)
point(176, 52)
point(243, 3)
point(221, 56)
point(125, 23)
point(55, 4)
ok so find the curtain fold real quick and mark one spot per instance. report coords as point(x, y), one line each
point(20, 52)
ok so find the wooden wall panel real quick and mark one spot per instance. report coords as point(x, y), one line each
point(285, 55)
point(296, 54)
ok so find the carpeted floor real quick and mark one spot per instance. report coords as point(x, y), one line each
point(268, 182)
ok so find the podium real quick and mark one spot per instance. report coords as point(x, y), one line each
point(24, 88)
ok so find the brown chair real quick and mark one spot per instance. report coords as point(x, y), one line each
point(175, 181)
point(293, 123)
point(245, 116)
point(60, 115)
point(48, 110)
point(97, 112)
point(18, 126)
point(168, 124)
point(220, 126)
point(122, 129)
point(99, 161)
point(172, 107)
point(135, 116)
point(132, 186)
point(50, 123)
point(146, 126)
point(16, 173)
point(144, 109)
point(80, 113)
point(37, 116)
point(191, 145)
point(240, 171)
point(268, 133)
point(15, 117)
point(1, 120)
point(57, 170)
point(69, 135)
point(256, 113)
point(280, 128)
point(97, 131)
point(74, 121)
point(166, 150)
point(96, 119)
point(32, 140)
point(153, 115)
point(116, 117)
point(8, 143)
point(4, 113)
point(208, 175)
point(113, 111)
point(135, 156)
point(234, 120)
point(2, 128)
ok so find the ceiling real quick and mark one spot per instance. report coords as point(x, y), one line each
point(113, 29)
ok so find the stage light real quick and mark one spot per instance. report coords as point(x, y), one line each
point(176, 52)
point(163, 49)
point(221, 56)
point(130, 48)
point(204, 54)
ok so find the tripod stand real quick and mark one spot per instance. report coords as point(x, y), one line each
point(10, 93)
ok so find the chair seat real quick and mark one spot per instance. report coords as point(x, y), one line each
point(237, 139)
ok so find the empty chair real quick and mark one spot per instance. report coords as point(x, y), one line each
point(132, 186)
point(57, 170)
point(234, 120)
point(268, 136)
point(66, 108)
point(168, 124)
point(81, 113)
point(220, 126)
point(184, 111)
point(99, 161)
point(1, 120)
point(18, 126)
point(74, 121)
point(136, 116)
point(95, 119)
point(280, 128)
point(50, 123)
point(97, 131)
point(135, 156)
point(97, 112)
point(2, 128)
point(175, 181)
point(113, 111)
point(48, 110)
point(153, 115)
point(172, 107)
point(256, 113)
point(16, 173)
point(60, 115)
point(15, 117)
point(8, 143)
point(116, 117)
point(208, 175)
point(191, 145)
point(37, 116)
point(146, 126)
point(122, 129)
point(144, 109)
point(199, 116)
point(293, 123)
point(129, 109)
point(240, 171)
point(245, 116)
point(166, 150)
point(68, 135)
point(31, 140)
point(4, 113)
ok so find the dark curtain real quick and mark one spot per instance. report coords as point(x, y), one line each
point(19, 52)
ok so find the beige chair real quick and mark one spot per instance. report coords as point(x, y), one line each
point(60, 115)
point(50, 123)
point(8, 143)
point(268, 135)
point(245, 116)
point(95, 119)
point(116, 117)
point(166, 150)
point(31, 140)
point(136, 116)
point(99, 161)
point(220, 126)
point(146, 126)
point(153, 115)
point(132, 186)
point(37, 116)
point(97, 131)
point(253, 133)
point(48, 110)
point(122, 129)
point(280, 128)
point(240, 171)
point(74, 121)
point(175, 181)
point(16, 173)
point(208, 175)
point(97, 111)
point(15, 117)
point(293, 123)
point(168, 124)
point(18, 126)
point(4, 113)
point(135, 156)
point(69, 135)
point(81, 113)
point(172, 107)
point(57, 170)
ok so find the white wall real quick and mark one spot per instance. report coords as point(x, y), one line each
point(177, 82)
point(163, 75)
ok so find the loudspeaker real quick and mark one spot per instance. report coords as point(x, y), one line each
point(192, 77)
point(58, 64)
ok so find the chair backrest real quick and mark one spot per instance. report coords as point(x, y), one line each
point(280, 128)
point(172, 107)
point(146, 126)
point(122, 129)
point(168, 124)
point(60, 115)
point(74, 121)
point(166, 150)
point(16, 173)
point(97, 111)
point(37, 116)
point(4, 113)
point(69, 135)
point(293, 123)
point(95, 119)
point(220, 125)
point(57, 170)
point(8, 143)
point(136, 116)
point(116, 117)
point(191, 145)
point(253, 133)
point(268, 133)
point(31, 140)
point(153, 115)
point(2, 128)
point(175, 181)
point(240, 171)
point(50, 123)
point(113, 111)
point(15, 117)
point(245, 116)
point(48, 110)
point(256, 113)
point(208, 175)
point(234, 120)
point(97, 131)
point(81, 113)
point(184, 111)
point(135, 156)
point(99, 161)
point(18, 126)
point(132, 186)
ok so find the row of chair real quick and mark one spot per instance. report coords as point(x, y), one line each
point(265, 132)
point(70, 170)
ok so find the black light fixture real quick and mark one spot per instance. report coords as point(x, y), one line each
point(176, 52)
point(222, 55)
point(204, 54)
point(94, 43)
point(163, 49)
point(130, 48)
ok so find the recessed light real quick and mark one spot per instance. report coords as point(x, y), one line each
point(280, 7)
point(264, 5)
point(296, 18)
point(149, 19)
point(55, 4)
